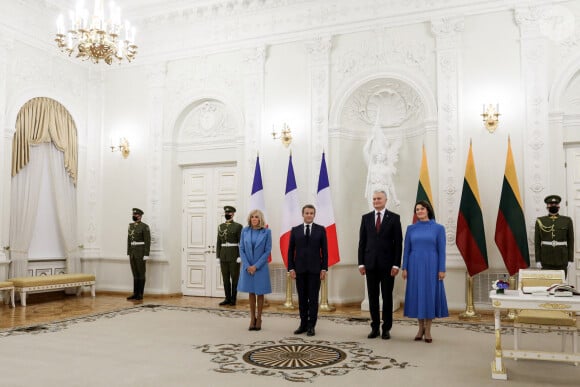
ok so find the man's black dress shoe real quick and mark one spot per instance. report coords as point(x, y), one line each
point(386, 335)
point(224, 302)
point(374, 333)
point(300, 330)
point(310, 332)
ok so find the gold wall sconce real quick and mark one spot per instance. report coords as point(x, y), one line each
point(491, 117)
point(123, 147)
point(285, 135)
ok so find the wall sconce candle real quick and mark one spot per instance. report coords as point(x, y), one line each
point(123, 147)
point(491, 117)
point(285, 135)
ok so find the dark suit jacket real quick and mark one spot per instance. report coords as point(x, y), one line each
point(309, 257)
point(380, 251)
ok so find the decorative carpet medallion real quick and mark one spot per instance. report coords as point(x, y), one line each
point(294, 356)
point(296, 359)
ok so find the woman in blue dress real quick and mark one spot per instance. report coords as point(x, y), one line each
point(424, 270)
point(255, 248)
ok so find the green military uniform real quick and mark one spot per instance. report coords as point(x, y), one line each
point(228, 252)
point(138, 246)
point(554, 239)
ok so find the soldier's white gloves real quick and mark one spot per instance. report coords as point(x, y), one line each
point(145, 257)
point(217, 260)
point(128, 257)
point(570, 265)
point(539, 265)
point(239, 260)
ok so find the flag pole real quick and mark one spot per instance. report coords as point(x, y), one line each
point(469, 313)
point(324, 306)
point(288, 305)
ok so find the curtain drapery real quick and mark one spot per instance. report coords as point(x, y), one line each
point(44, 120)
point(45, 142)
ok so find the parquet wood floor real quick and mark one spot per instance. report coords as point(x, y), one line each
point(56, 306)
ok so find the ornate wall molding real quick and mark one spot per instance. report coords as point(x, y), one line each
point(537, 153)
point(156, 76)
point(448, 36)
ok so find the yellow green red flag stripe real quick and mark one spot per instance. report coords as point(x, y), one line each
point(510, 230)
point(470, 238)
point(424, 188)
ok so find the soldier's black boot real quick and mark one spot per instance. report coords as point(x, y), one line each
point(135, 287)
point(234, 297)
point(228, 299)
point(140, 290)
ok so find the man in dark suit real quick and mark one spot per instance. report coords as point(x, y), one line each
point(379, 258)
point(308, 263)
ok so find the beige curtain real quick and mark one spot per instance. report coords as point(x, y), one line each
point(45, 120)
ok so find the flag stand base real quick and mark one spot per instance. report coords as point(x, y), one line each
point(470, 313)
point(324, 306)
point(288, 305)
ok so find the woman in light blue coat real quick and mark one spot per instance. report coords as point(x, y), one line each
point(255, 248)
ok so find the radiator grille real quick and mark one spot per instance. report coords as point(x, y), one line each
point(482, 285)
point(278, 280)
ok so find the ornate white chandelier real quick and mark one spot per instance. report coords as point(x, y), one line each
point(97, 38)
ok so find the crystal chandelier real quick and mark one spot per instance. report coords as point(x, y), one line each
point(97, 38)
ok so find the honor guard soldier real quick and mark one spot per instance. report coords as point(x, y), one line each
point(138, 245)
point(228, 253)
point(554, 238)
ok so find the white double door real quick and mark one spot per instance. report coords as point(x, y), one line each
point(206, 190)
point(573, 197)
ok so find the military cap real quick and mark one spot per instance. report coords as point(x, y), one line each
point(552, 199)
point(229, 209)
point(137, 211)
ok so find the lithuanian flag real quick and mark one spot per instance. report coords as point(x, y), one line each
point(424, 188)
point(470, 237)
point(510, 229)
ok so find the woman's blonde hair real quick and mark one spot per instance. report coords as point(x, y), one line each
point(260, 216)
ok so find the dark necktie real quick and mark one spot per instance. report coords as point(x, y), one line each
point(378, 225)
point(307, 232)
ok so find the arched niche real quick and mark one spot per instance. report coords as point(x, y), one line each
point(204, 120)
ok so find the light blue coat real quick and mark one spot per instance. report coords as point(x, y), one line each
point(255, 254)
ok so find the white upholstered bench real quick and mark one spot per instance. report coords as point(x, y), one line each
point(48, 283)
point(8, 289)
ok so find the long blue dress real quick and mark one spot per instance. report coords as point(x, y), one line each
point(424, 258)
point(255, 247)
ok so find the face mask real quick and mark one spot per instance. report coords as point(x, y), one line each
point(228, 216)
point(135, 218)
point(553, 210)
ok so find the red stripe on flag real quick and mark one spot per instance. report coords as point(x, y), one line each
point(508, 247)
point(284, 243)
point(467, 245)
point(332, 240)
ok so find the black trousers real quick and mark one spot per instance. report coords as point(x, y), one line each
point(308, 289)
point(380, 281)
point(230, 276)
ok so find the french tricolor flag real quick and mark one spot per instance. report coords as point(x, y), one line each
point(257, 196)
point(291, 214)
point(325, 214)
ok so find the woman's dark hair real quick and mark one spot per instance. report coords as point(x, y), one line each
point(428, 206)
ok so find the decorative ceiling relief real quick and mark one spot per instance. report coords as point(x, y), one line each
point(388, 102)
point(395, 51)
point(207, 120)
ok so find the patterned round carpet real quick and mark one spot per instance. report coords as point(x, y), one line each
point(294, 356)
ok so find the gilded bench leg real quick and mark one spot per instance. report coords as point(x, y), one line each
point(79, 290)
point(93, 290)
point(12, 296)
point(23, 298)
